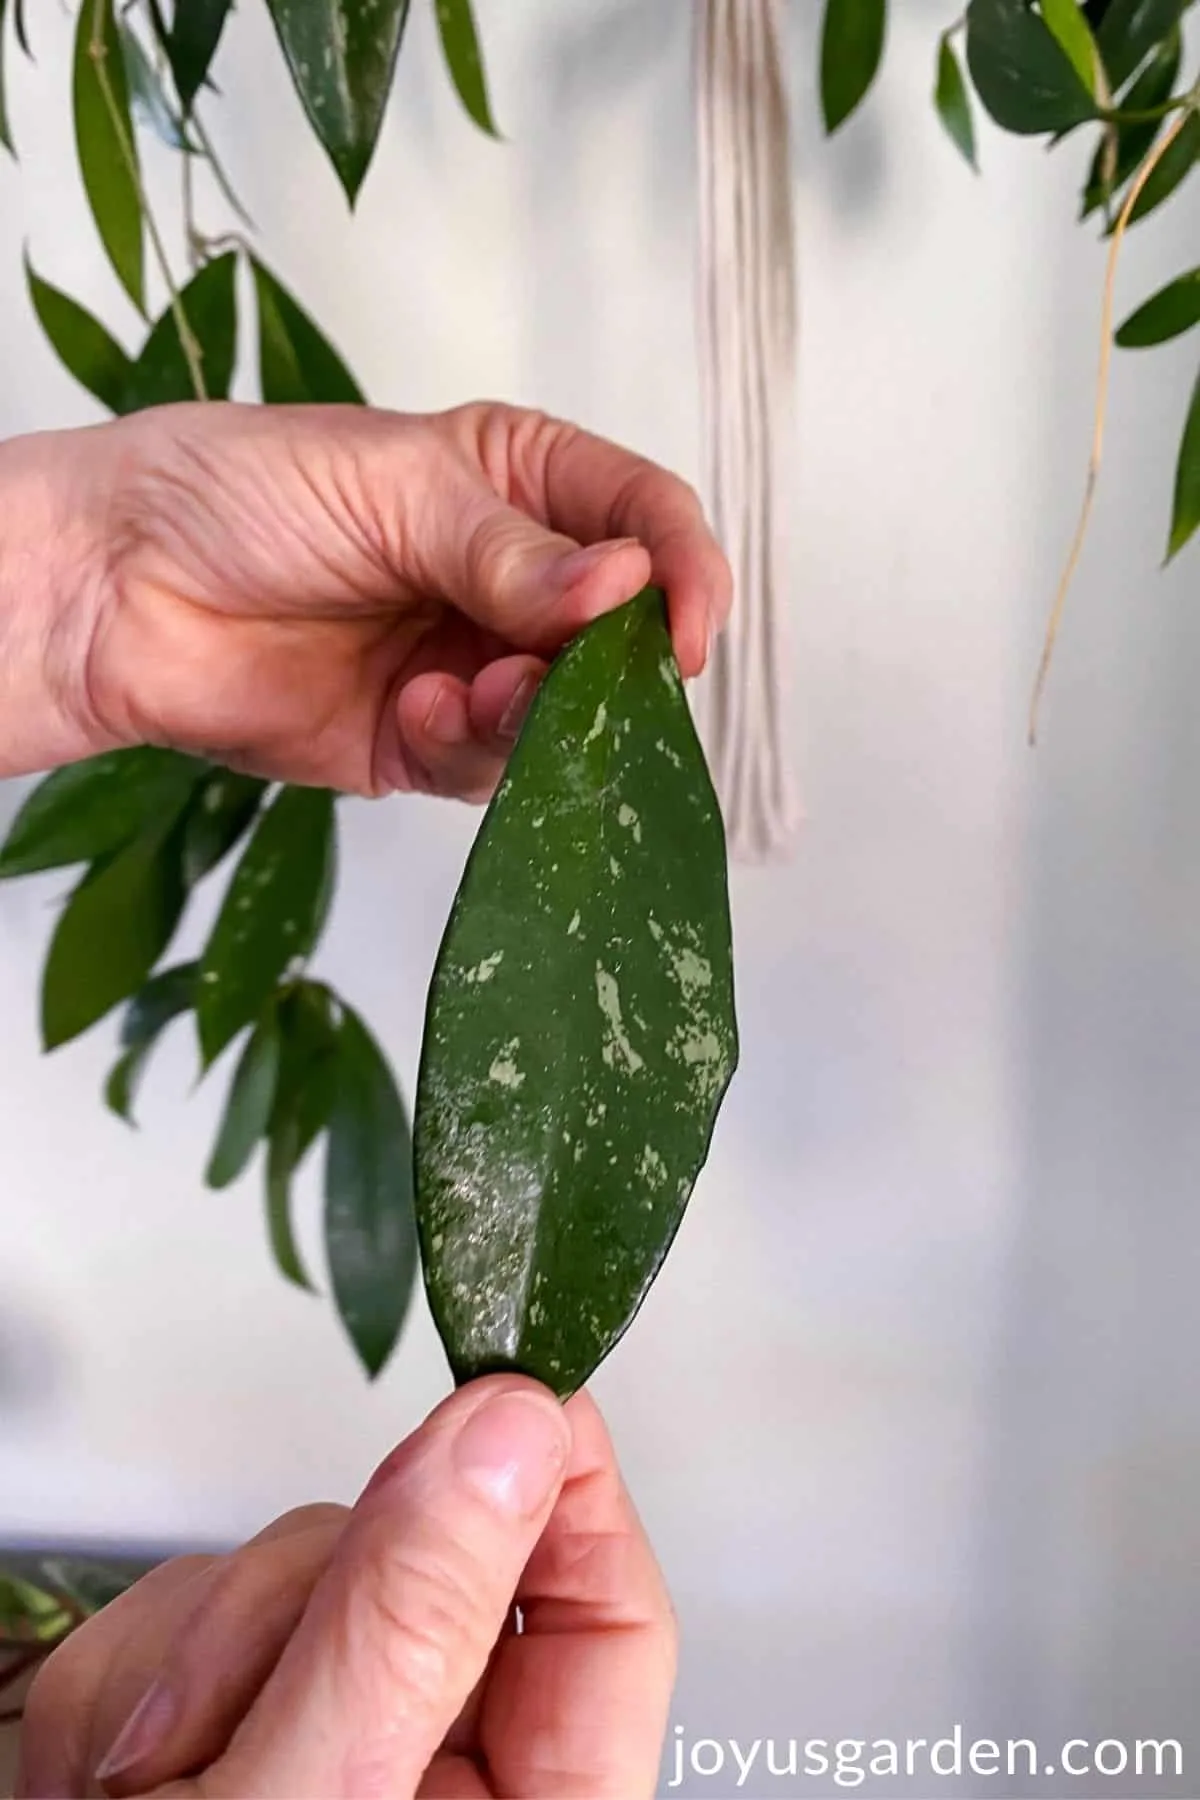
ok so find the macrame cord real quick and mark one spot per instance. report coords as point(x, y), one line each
point(746, 290)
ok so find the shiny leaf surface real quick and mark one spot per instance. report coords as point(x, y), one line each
point(222, 811)
point(1021, 73)
point(580, 1031)
point(89, 809)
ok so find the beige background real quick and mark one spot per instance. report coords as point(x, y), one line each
point(912, 1414)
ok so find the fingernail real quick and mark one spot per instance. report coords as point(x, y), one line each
point(517, 710)
point(143, 1731)
point(571, 569)
point(512, 1450)
point(443, 722)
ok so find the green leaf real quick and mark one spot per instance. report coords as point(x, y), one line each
point(164, 997)
point(1021, 73)
point(1151, 89)
point(105, 143)
point(851, 51)
point(460, 43)
point(222, 811)
point(342, 55)
point(148, 98)
point(111, 932)
point(30, 1615)
point(1130, 30)
point(22, 32)
point(161, 375)
point(192, 43)
point(297, 363)
point(303, 1101)
point(1178, 161)
point(5, 128)
point(1167, 314)
point(251, 1100)
point(271, 914)
point(89, 809)
point(580, 1031)
point(90, 1586)
point(80, 342)
point(953, 102)
point(1185, 515)
point(370, 1226)
point(1072, 33)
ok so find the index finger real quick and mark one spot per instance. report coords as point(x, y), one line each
point(593, 490)
point(578, 1702)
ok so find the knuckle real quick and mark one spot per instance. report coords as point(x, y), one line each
point(423, 1615)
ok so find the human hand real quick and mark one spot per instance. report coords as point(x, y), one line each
point(345, 1654)
point(327, 595)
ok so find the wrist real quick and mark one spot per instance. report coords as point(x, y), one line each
point(51, 560)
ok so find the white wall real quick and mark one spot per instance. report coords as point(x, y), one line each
point(911, 1413)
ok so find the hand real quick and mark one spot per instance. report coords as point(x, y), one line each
point(373, 1652)
point(327, 595)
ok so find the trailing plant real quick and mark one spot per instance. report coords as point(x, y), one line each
point(148, 827)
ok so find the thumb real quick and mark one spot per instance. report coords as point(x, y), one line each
point(399, 1629)
point(532, 587)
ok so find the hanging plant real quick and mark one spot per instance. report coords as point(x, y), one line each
point(557, 1141)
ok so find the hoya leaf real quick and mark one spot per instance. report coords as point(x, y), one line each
point(21, 28)
point(105, 143)
point(83, 346)
point(251, 1100)
point(1167, 314)
point(852, 38)
point(370, 1226)
point(89, 809)
point(1133, 141)
point(272, 913)
point(1178, 160)
point(148, 98)
point(953, 103)
point(1073, 34)
point(297, 363)
point(164, 997)
point(29, 1614)
point(192, 42)
point(1185, 513)
point(1022, 74)
point(222, 811)
point(342, 54)
point(460, 44)
point(303, 1100)
point(161, 375)
point(580, 1032)
point(1129, 31)
point(111, 932)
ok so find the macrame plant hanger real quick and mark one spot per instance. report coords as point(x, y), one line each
point(746, 289)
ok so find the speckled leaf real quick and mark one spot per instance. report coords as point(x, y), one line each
point(297, 364)
point(249, 1105)
point(342, 54)
point(370, 1227)
point(460, 45)
point(81, 343)
point(105, 143)
point(164, 997)
point(221, 812)
point(271, 914)
point(580, 1032)
point(90, 809)
point(161, 376)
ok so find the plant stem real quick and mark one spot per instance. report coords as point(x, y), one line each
point(1146, 115)
point(1106, 346)
point(99, 56)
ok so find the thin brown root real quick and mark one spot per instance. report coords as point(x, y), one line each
point(1102, 385)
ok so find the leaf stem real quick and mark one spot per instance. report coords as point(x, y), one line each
point(1145, 115)
point(99, 56)
point(1102, 384)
